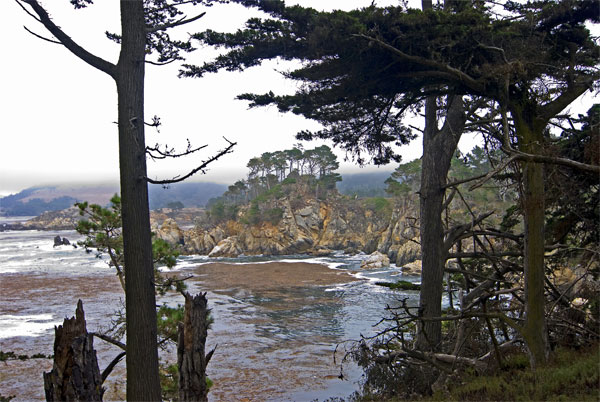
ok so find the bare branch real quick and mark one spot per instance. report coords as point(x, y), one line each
point(481, 254)
point(28, 12)
point(156, 153)
point(177, 23)
point(110, 340)
point(553, 160)
point(42, 37)
point(200, 168)
point(574, 90)
point(455, 232)
point(69, 43)
point(494, 172)
point(112, 365)
point(154, 63)
point(457, 182)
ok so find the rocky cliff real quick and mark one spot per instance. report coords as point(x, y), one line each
point(315, 227)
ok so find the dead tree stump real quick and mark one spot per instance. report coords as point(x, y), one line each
point(75, 375)
point(191, 344)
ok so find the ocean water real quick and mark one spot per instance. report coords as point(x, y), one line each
point(272, 343)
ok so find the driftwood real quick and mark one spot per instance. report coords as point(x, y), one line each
point(191, 357)
point(75, 375)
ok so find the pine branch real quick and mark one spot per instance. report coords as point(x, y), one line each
point(439, 68)
point(174, 24)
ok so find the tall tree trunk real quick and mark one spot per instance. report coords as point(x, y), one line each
point(530, 137)
point(191, 357)
point(75, 375)
point(143, 381)
point(438, 148)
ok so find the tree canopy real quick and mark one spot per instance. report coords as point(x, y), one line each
point(363, 69)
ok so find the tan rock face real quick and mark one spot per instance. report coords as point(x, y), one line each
point(376, 260)
point(170, 232)
point(412, 268)
point(313, 227)
point(56, 220)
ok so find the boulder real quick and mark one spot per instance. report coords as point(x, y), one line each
point(406, 252)
point(321, 252)
point(228, 247)
point(375, 260)
point(170, 232)
point(57, 241)
point(412, 268)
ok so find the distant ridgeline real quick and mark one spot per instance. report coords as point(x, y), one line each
point(36, 200)
point(22, 204)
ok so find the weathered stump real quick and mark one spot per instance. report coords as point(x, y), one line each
point(75, 375)
point(191, 357)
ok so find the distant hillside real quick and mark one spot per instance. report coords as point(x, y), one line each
point(190, 194)
point(364, 184)
point(36, 200)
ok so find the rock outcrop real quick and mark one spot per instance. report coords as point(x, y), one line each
point(170, 232)
point(315, 227)
point(375, 260)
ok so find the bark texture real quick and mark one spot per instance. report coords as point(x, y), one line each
point(191, 357)
point(143, 382)
point(531, 139)
point(75, 375)
point(439, 146)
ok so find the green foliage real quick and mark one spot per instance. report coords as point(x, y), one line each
point(400, 285)
point(571, 376)
point(382, 207)
point(573, 204)
point(4, 356)
point(169, 382)
point(175, 205)
point(168, 320)
point(102, 229)
point(406, 179)
point(164, 253)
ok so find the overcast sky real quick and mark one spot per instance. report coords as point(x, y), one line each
point(58, 113)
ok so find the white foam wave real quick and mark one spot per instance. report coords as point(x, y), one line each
point(26, 325)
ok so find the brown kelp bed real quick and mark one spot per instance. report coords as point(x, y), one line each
point(273, 327)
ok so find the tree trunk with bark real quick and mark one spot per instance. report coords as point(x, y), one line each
point(143, 382)
point(75, 375)
point(531, 139)
point(439, 146)
point(191, 357)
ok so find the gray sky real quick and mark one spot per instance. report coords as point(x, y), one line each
point(58, 112)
